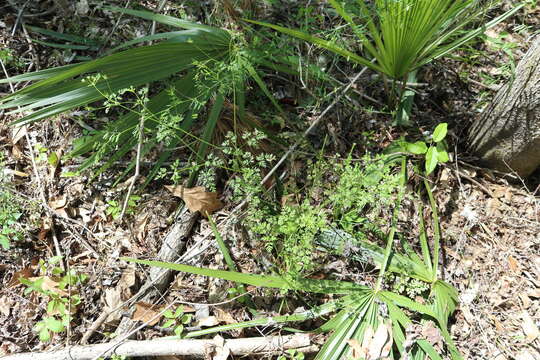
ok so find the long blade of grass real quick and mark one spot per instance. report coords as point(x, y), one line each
point(165, 19)
point(322, 43)
point(308, 285)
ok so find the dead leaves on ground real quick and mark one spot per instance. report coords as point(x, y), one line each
point(197, 198)
point(375, 344)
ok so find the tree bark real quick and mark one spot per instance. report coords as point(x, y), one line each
point(506, 137)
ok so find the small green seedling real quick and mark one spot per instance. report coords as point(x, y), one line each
point(292, 354)
point(48, 325)
point(54, 284)
point(436, 152)
point(176, 320)
point(114, 208)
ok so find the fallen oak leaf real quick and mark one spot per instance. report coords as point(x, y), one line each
point(148, 313)
point(197, 198)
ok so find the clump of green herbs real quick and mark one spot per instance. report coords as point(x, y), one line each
point(57, 286)
point(176, 320)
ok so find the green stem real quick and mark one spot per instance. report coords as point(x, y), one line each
point(228, 259)
point(390, 240)
point(436, 229)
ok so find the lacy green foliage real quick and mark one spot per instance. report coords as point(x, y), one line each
point(290, 235)
point(362, 191)
point(56, 286)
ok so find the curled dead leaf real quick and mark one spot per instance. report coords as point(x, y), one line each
point(148, 313)
point(197, 198)
point(24, 273)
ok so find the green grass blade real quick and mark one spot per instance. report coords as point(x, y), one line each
point(208, 133)
point(428, 349)
point(423, 239)
point(322, 43)
point(165, 19)
point(307, 285)
point(64, 46)
point(67, 37)
point(253, 73)
point(159, 36)
point(248, 279)
point(408, 303)
point(436, 229)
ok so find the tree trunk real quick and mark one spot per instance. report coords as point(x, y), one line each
point(506, 137)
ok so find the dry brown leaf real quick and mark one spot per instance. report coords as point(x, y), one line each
point(356, 349)
point(431, 333)
point(5, 305)
point(148, 313)
point(513, 264)
point(112, 300)
point(534, 293)
point(15, 172)
point(24, 273)
point(375, 345)
point(17, 152)
point(197, 199)
point(51, 284)
point(58, 202)
point(529, 327)
point(207, 321)
point(381, 343)
point(224, 316)
point(17, 133)
point(128, 278)
point(221, 351)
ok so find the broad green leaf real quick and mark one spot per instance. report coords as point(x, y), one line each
point(54, 324)
point(417, 148)
point(336, 347)
point(442, 154)
point(431, 159)
point(440, 132)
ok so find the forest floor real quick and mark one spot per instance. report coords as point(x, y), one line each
point(490, 222)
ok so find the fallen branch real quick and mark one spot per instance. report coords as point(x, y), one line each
point(191, 347)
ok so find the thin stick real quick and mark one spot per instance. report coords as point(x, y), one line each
point(195, 348)
point(141, 134)
point(137, 165)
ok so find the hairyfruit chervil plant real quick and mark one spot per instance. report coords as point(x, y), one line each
point(364, 313)
point(400, 36)
point(198, 67)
